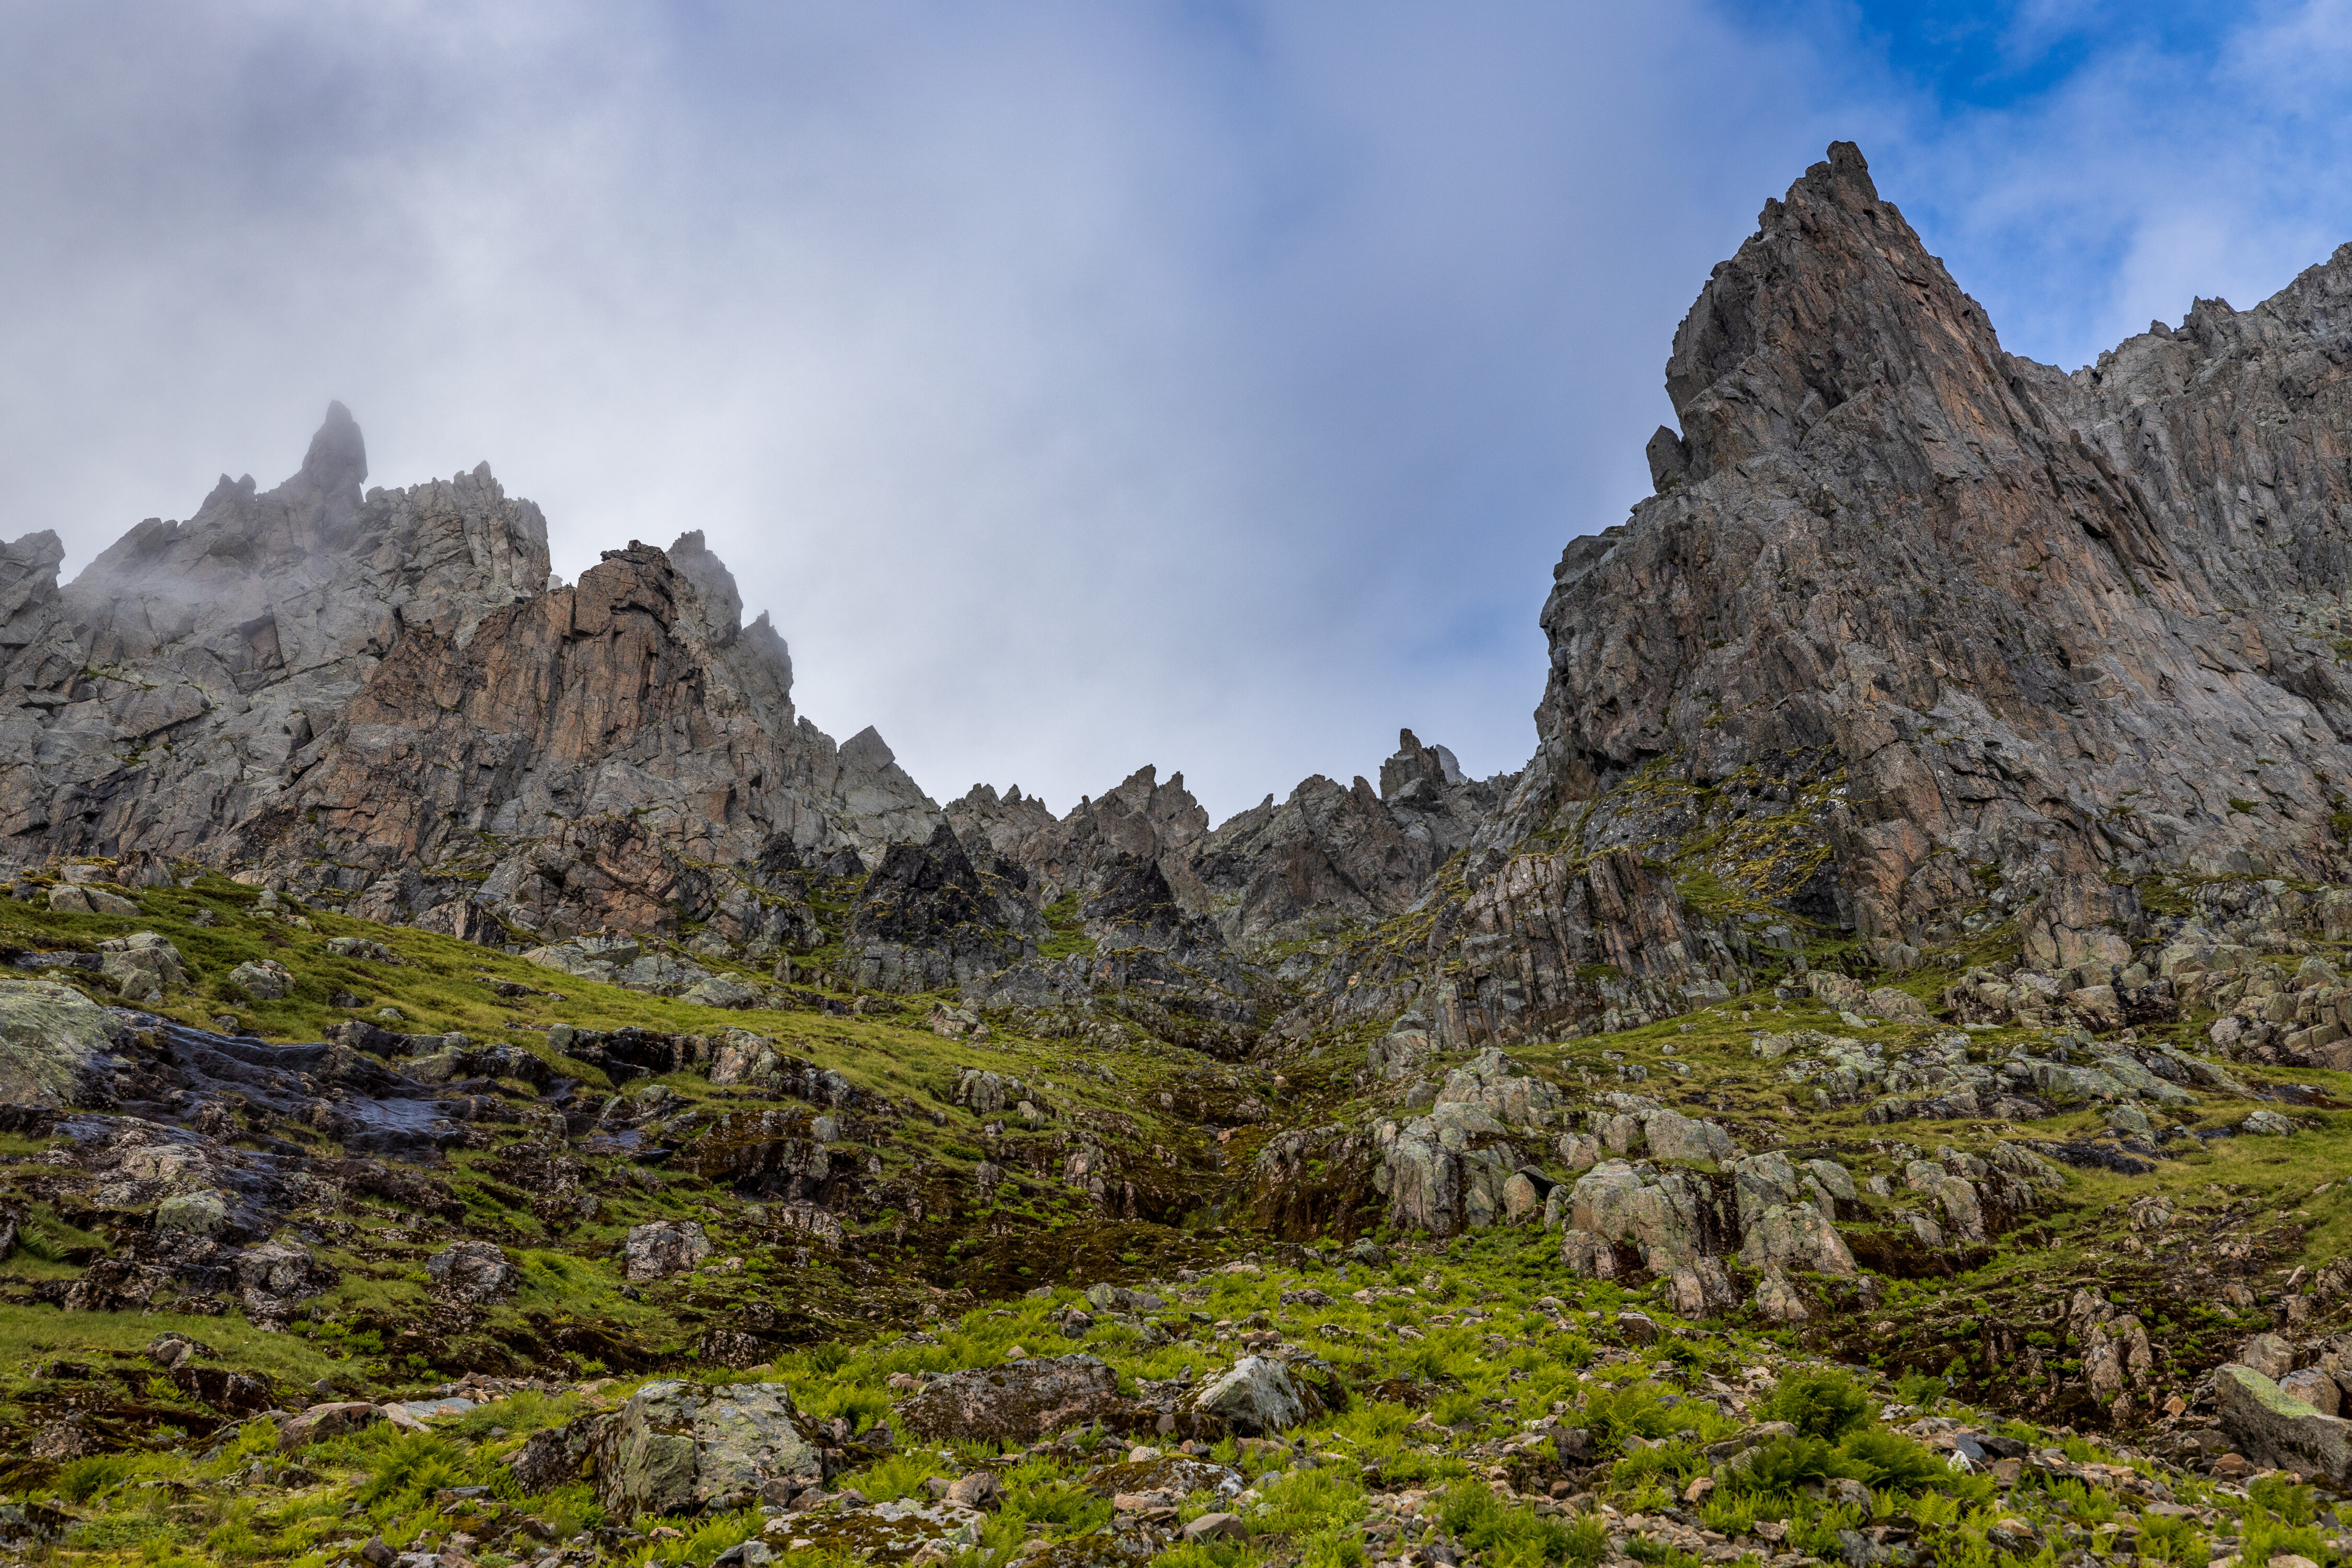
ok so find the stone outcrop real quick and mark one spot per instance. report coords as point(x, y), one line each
point(56, 1044)
point(311, 672)
point(2048, 625)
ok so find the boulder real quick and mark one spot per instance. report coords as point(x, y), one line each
point(2266, 1123)
point(321, 1422)
point(142, 965)
point(1701, 1288)
point(54, 1043)
point(2269, 1355)
point(1778, 1299)
point(1838, 990)
point(1500, 1086)
point(1671, 1135)
point(663, 1248)
point(684, 1448)
point(1020, 1401)
point(1660, 1214)
point(2314, 1388)
point(553, 1456)
point(1256, 1395)
point(721, 991)
point(2271, 1427)
point(1896, 1006)
point(360, 948)
point(91, 901)
point(201, 1212)
point(273, 1272)
point(265, 980)
point(1795, 1235)
point(1217, 1527)
point(473, 1271)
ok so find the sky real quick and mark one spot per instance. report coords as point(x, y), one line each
point(1195, 382)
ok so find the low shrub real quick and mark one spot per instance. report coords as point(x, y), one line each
point(1826, 1405)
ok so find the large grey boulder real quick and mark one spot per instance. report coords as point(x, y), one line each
point(53, 1042)
point(1659, 1214)
point(473, 1271)
point(663, 1248)
point(142, 965)
point(2271, 1427)
point(1020, 1400)
point(721, 991)
point(1671, 1135)
point(1795, 1235)
point(91, 901)
point(1256, 1395)
point(686, 1447)
point(265, 980)
point(1444, 1172)
point(203, 1212)
point(320, 1422)
point(1500, 1087)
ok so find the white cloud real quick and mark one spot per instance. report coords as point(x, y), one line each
point(1080, 386)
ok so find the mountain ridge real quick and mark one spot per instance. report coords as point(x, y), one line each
point(1920, 940)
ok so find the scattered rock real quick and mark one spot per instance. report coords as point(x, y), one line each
point(142, 966)
point(321, 1422)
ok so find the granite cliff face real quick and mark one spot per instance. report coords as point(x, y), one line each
point(2055, 630)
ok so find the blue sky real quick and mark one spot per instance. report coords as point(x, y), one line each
point(1207, 384)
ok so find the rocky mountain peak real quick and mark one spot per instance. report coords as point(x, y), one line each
point(336, 462)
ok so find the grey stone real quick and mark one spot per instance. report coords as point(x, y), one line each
point(320, 1422)
point(142, 965)
point(2272, 1428)
point(663, 1248)
point(683, 1447)
point(2314, 1388)
point(1018, 1400)
point(721, 991)
point(1796, 1235)
point(54, 1043)
point(1256, 1395)
point(265, 980)
point(1217, 1527)
point(2269, 1355)
point(473, 1271)
point(201, 1212)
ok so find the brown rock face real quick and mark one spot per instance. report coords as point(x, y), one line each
point(604, 697)
point(2059, 626)
point(309, 674)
